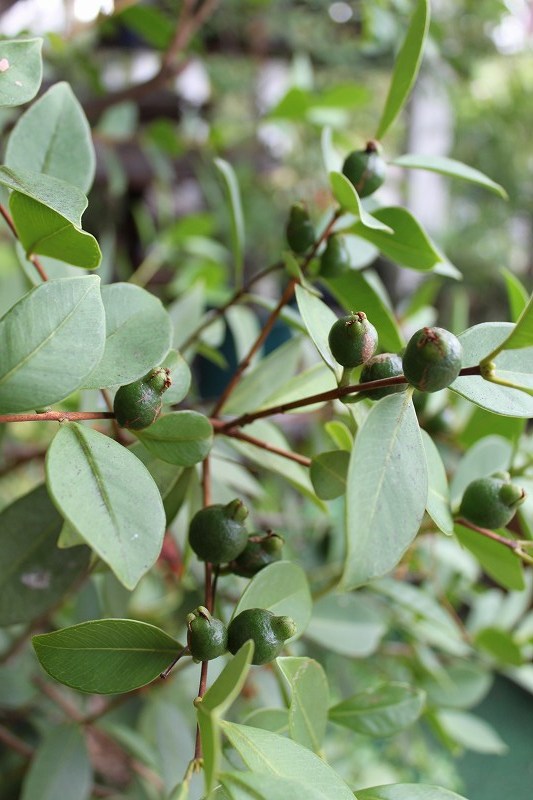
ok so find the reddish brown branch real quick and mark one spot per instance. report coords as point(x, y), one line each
point(56, 416)
point(512, 544)
point(271, 448)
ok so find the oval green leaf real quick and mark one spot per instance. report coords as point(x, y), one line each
point(318, 319)
point(106, 656)
point(180, 375)
point(471, 732)
point(39, 364)
point(328, 473)
point(346, 195)
point(406, 67)
point(381, 711)
point(272, 755)
point(233, 196)
point(34, 573)
point(497, 560)
point(109, 496)
point(60, 767)
point(182, 437)
point(450, 167)
point(349, 624)
point(407, 791)
point(281, 588)
point(387, 490)
point(308, 710)
point(56, 124)
point(138, 336)
point(20, 81)
point(478, 342)
point(258, 786)
point(438, 502)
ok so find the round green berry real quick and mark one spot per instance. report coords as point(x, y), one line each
point(353, 339)
point(365, 169)
point(300, 231)
point(377, 368)
point(432, 359)
point(260, 551)
point(137, 405)
point(267, 632)
point(491, 502)
point(207, 637)
point(217, 533)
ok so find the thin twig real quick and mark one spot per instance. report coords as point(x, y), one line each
point(15, 743)
point(513, 544)
point(34, 260)
point(279, 451)
point(56, 416)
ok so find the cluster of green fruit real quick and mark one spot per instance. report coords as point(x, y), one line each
point(217, 534)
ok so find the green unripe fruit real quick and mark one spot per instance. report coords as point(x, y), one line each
point(217, 533)
point(207, 637)
point(385, 365)
point(353, 339)
point(335, 260)
point(432, 359)
point(491, 502)
point(365, 169)
point(260, 551)
point(300, 232)
point(137, 405)
point(267, 631)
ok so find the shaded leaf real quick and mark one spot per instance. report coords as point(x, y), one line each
point(308, 710)
point(500, 645)
point(233, 195)
point(60, 767)
point(386, 490)
point(346, 195)
point(438, 502)
point(34, 574)
point(180, 375)
point(407, 791)
point(498, 561)
point(450, 167)
point(517, 295)
point(471, 732)
point(380, 711)
point(39, 364)
point(487, 455)
point(20, 82)
point(258, 786)
point(328, 473)
point(182, 437)
point(109, 496)
point(348, 624)
point(460, 685)
point(406, 66)
point(318, 319)
point(281, 588)
point(106, 656)
point(53, 126)
point(138, 336)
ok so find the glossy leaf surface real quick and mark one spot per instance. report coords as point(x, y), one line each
point(106, 656)
point(109, 496)
point(346, 195)
point(39, 364)
point(34, 574)
point(138, 336)
point(387, 490)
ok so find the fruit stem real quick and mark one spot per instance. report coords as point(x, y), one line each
point(513, 544)
point(166, 672)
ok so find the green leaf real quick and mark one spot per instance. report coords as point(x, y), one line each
point(355, 291)
point(406, 66)
point(387, 490)
point(281, 588)
point(182, 437)
point(488, 455)
point(57, 195)
point(500, 645)
point(380, 711)
point(318, 319)
point(407, 791)
point(60, 767)
point(516, 366)
point(340, 435)
point(522, 334)
point(138, 336)
point(34, 574)
point(348, 624)
point(258, 786)
point(459, 685)
point(22, 75)
point(39, 364)
point(180, 375)
point(50, 128)
point(517, 295)
point(109, 496)
point(448, 166)
point(438, 502)
point(271, 755)
point(43, 231)
point(275, 720)
point(308, 710)
point(498, 561)
point(266, 378)
point(346, 195)
point(409, 245)
point(471, 732)
point(106, 656)
point(233, 195)
point(216, 701)
point(481, 423)
point(328, 473)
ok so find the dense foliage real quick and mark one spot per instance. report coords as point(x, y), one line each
point(228, 438)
